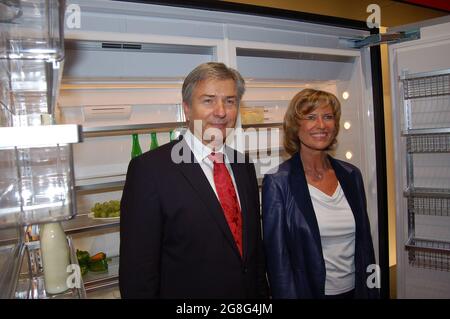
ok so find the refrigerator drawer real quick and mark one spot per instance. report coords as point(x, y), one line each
point(32, 29)
point(36, 185)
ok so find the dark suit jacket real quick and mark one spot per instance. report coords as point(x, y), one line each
point(295, 264)
point(174, 238)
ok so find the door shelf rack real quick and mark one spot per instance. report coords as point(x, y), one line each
point(422, 90)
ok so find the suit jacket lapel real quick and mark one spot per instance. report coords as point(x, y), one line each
point(300, 191)
point(195, 176)
point(240, 177)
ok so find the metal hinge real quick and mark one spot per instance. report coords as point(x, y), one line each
point(386, 38)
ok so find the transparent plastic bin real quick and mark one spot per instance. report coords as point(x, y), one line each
point(32, 29)
point(29, 91)
point(36, 185)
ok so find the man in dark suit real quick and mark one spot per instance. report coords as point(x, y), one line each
point(190, 218)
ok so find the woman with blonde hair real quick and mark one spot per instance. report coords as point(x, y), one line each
point(316, 229)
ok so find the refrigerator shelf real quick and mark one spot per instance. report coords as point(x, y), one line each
point(109, 187)
point(79, 224)
point(99, 187)
point(97, 281)
point(422, 85)
point(39, 136)
point(83, 223)
point(429, 206)
point(424, 74)
point(263, 125)
point(430, 254)
point(432, 143)
point(100, 131)
point(427, 192)
point(426, 131)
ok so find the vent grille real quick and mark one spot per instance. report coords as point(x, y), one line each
point(139, 47)
point(106, 45)
point(132, 46)
point(128, 46)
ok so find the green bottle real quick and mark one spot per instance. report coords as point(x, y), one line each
point(172, 135)
point(135, 148)
point(154, 141)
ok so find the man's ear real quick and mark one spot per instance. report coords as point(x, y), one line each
point(187, 111)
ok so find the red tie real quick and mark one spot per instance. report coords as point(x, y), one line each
point(227, 197)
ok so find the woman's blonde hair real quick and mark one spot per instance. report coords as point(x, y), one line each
point(302, 104)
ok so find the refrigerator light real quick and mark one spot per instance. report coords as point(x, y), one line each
point(345, 95)
point(347, 125)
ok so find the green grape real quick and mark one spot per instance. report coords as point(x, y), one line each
point(107, 209)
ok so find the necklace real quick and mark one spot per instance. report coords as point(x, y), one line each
point(315, 174)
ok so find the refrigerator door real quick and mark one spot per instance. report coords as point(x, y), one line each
point(420, 84)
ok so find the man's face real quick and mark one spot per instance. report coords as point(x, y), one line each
point(215, 103)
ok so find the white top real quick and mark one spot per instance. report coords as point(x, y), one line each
point(337, 234)
point(201, 152)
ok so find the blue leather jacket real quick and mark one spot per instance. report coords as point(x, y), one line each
point(295, 264)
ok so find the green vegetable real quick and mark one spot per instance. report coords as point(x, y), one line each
point(83, 257)
point(83, 260)
point(96, 263)
point(84, 269)
point(107, 209)
point(99, 265)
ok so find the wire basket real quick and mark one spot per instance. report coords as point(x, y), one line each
point(429, 254)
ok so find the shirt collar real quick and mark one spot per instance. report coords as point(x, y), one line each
point(200, 150)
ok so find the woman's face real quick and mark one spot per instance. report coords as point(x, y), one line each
point(317, 129)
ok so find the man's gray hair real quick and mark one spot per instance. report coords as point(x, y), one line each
point(211, 70)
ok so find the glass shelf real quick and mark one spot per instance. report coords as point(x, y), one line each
point(96, 281)
point(79, 224)
point(131, 129)
point(99, 187)
point(263, 125)
point(83, 223)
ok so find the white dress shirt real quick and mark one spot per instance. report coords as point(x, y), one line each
point(201, 152)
